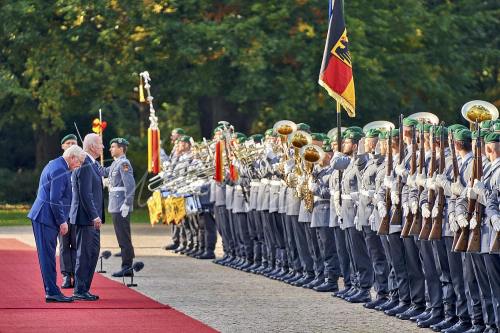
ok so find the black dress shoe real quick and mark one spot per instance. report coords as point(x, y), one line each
point(363, 296)
point(180, 248)
point(67, 284)
point(86, 296)
point(172, 246)
point(58, 298)
point(422, 316)
point(460, 327)
point(117, 254)
point(314, 283)
point(124, 272)
point(413, 311)
point(377, 302)
point(476, 328)
point(342, 292)
point(391, 303)
point(294, 278)
point(305, 280)
point(206, 256)
point(351, 292)
point(444, 324)
point(432, 320)
point(397, 310)
point(186, 249)
point(327, 286)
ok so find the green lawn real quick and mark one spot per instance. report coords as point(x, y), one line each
point(15, 217)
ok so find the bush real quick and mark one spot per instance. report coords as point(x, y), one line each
point(18, 186)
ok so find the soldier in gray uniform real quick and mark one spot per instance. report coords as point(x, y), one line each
point(365, 209)
point(67, 243)
point(121, 186)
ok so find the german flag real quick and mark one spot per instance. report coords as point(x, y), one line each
point(336, 69)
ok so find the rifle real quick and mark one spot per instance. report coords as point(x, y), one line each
point(437, 222)
point(431, 196)
point(455, 179)
point(384, 224)
point(416, 226)
point(475, 234)
point(413, 169)
point(495, 245)
point(396, 215)
point(463, 239)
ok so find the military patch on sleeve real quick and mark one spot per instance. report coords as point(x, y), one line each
point(125, 167)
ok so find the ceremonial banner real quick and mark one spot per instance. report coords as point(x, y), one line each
point(219, 164)
point(155, 208)
point(174, 210)
point(336, 68)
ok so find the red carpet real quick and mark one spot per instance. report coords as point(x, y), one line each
point(23, 307)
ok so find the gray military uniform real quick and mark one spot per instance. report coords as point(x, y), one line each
point(121, 192)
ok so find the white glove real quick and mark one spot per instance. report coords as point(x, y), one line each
point(395, 197)
point(473, 223)
point(430, 183)
point(495, 222)
point(414, 206)
point(462, 220)
point(441, 181)
point(312, 186)
point(355, 196)
point(406, 208)
point(361, 146)
point(426, 213)
point(435, 212)
point(401, 170)
point(479, 187)
point(105, 182)
point(420, 180)
point(291, 178)
point(371, 219)
point(382, 210)
point(457, 188)
point(453, 223)
point(471, 194)
point(388, 180)
point(124, 209)
point(357, 224)
point(336, 203)
point(289, 166)
point(411, 180)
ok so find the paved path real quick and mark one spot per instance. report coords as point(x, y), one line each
point(231, 300)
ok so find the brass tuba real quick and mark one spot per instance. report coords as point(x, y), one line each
point(310, 155)
point(479, 111)
point(425, 117)
point(297, 140)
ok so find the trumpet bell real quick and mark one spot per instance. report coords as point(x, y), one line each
point(299, 139)
point(284, 127)
point(479, 111)
point(425, 117)
point(381, 125)
point(312, 153)
point(333, 132)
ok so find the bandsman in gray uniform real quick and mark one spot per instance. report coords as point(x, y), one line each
point(67, 243)
point(121, 185)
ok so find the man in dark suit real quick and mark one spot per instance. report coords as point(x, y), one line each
point(49, 215)
point(87, 215)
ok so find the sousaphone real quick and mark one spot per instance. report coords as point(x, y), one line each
point(479, 111)
point(381, 125)
point(425, 117)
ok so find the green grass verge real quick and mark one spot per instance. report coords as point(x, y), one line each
point(17, 217)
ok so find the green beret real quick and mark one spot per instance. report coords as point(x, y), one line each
point(486, 124)
point(185, 138)
point(372, 133)
point(317, 136)
point(408, 122)
point(178, 130)
point(462, 135)
point(383, 135)
point(456, 127)
point(68, 137)
point(425, 126)
point(269, 132)
point(354, 135)
point(240, 137)
point(304, 127)
point(120, 141)
point(439, 129)
point(355, 128)
point(395, 133)
point(496, 127)
point(492, 137)
point(327, 145)
point(483, 134)
point(257, 138)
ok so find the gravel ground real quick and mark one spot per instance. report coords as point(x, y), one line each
point(230, 300)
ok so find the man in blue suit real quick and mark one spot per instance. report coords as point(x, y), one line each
point(49, 215)
point(87, 215)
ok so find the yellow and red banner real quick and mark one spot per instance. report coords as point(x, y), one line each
point(336, 68)
point(219, 162)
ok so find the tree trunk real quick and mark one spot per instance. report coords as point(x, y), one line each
point(47, 147)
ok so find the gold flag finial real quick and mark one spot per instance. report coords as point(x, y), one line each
point(141, 91)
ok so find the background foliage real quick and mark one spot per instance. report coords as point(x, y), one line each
point(251, 63)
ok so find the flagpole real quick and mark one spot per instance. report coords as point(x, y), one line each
point(100, 133)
